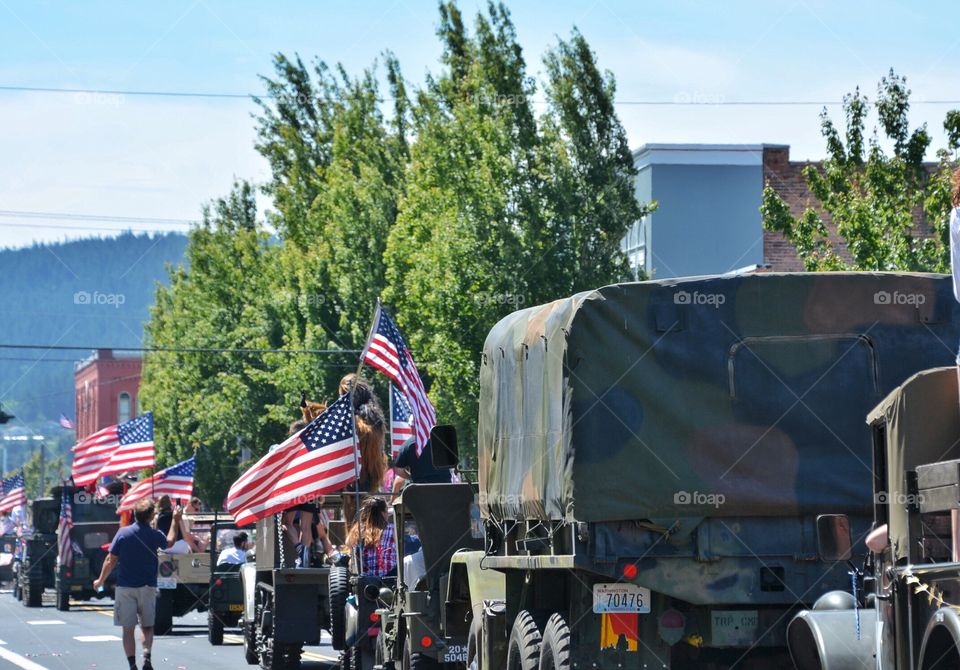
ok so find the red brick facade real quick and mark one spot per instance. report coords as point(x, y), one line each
point(786, 177)
point(105, 386)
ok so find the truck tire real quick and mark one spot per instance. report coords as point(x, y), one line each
point(338, 590)
point(63, 599)
point(163, 623)
point(475, 644)
point(33, 594)
point(555, 648)
point(214, 628)
point(523, 649)
point(250, 643)
point(418, 661)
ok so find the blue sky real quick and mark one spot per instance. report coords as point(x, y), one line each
point(132, 156)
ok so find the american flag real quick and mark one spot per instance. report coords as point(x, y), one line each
point(176, 482)
point(400, 429)
point(66, 423)
point(64, 543)
point(121, 448)
point(387, 351)
point(321, 458)
point(14, 493)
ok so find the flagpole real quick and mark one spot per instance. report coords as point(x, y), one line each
point(353, 426)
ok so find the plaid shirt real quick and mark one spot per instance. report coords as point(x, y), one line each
point(382, 558)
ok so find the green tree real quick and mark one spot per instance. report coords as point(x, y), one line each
point(874, 197)
point(503, 209)
point(216, 403)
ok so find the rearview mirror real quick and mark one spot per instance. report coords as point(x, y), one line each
point(833, 537)
point(443, 447)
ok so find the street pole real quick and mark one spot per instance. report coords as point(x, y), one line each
point(43, 466)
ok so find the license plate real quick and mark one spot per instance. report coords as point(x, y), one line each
point(733, 628)
point(235, 608)
point(167, 582)
point(77, 587)
point(455, 653)
point(621, 598)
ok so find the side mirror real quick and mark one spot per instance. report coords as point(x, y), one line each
point(833, 537)
point(443, 447)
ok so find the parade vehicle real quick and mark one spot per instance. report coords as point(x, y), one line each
point(429, 619)
point(183, 580)
point(225, 606)
point(94, 525)
point(653, 459)
point(901, 612)
point(285, 607)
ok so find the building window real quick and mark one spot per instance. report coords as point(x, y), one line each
point(123, 407)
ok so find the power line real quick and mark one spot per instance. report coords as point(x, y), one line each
point(75, 216)
point(89, 228)
point(184, 350)
point(691, 100)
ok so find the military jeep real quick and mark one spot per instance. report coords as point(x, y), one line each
point(183, 580)
point(225, 606)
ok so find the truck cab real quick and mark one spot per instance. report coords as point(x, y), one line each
point(901, 610)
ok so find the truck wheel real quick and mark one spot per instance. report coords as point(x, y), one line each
point(33, 595)
point(555, 649)
point(475, 644)
point(163, 623)
point(214, 628)
point(338, 590)
point(523, 650)
point(250, 644)
point(63, 599)
point(418, 661)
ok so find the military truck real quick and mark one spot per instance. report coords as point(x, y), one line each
point(183, 580)
point(94, 525)
point(427, 621)
point(653, 458)
point(285, 607)
point(225, 606)
point(901, 612)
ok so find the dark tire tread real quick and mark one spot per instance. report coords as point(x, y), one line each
point(555, 647)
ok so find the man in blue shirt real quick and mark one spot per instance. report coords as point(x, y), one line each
point(134, 550)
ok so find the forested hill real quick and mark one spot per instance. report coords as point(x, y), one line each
point(93, 292)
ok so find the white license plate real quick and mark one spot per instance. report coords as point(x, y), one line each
point(455, 653)
point(167, 582)
point(733, 628)
point(621, 598)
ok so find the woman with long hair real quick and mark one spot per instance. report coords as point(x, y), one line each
point(371, 435)
point(378, 549)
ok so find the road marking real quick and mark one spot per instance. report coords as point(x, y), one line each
point(19, 660)
point(96, 638)
point(46, 622)
point(309, 655)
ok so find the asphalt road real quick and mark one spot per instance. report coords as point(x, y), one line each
point(85, 637)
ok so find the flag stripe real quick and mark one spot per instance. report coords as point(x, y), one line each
point(321, 458)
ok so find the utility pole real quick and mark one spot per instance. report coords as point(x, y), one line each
point(43, 469)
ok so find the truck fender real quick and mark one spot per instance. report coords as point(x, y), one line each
point(941, 637)
point(248, 577)
point(827, 640)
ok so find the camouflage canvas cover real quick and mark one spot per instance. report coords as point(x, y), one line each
point(717, 396)
point(921, 424)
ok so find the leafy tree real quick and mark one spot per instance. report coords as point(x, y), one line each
point(216, 403)
point(872, 196)
point(503, 209)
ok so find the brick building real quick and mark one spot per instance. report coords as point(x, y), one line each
point(708, 215)
point(106, 387)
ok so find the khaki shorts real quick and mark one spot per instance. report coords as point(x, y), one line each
point(129, 603)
